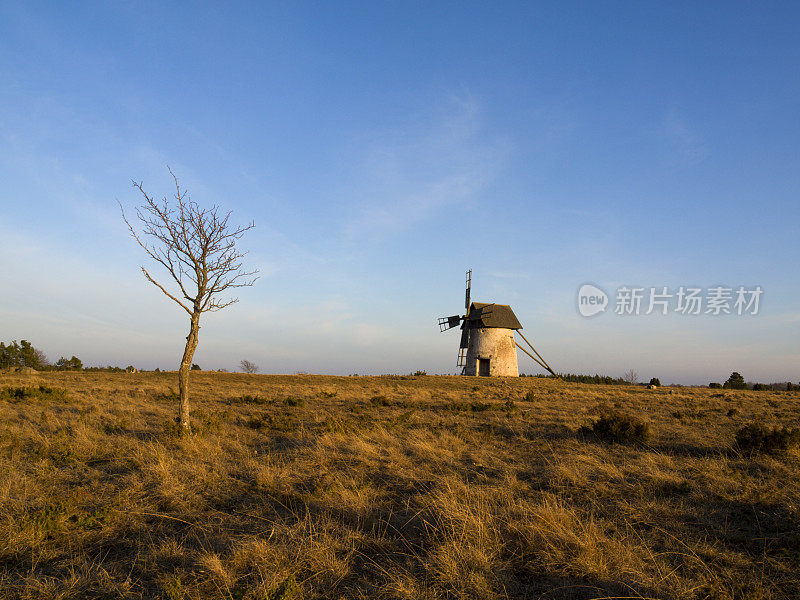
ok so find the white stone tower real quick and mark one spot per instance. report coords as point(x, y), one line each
point(491, 350)
point(488, 347)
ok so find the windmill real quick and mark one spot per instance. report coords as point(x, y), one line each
point(487, 345)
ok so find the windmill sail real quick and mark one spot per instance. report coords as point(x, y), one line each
point(469, 287)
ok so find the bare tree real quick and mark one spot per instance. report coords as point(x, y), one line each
point(631, 377)
point(248, 367)
point(197, 248)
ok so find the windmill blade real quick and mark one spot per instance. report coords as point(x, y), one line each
point(446, 323)
point(481, 313)
point(469, 288)
point(486, 310)
point(464, 336)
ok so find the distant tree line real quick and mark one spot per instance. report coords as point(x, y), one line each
point(21, 354)
point(576, 378)
point(24, 354)
point(736, 382)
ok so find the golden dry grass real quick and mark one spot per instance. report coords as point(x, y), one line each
point(389, 487)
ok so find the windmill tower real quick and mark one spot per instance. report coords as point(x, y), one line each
point(488, 347)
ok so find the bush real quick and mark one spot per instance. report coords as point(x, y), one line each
point(41, 392)
point(529, 397)
point(655, 381)
point(380, 401)
point(288, 590)
point(474, 406)
point(757, 437)
point(761, 387)
point(169, 396)
point(715, 386)
point(292, 401)
point(195, 367)
point(620, 428)
point(173, 429)
point(259, 421)
point(248, 399)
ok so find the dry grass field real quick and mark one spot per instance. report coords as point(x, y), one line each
point(388, 487)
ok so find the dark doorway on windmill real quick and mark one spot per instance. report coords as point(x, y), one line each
point(483, 367)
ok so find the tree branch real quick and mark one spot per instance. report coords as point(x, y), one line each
point(196, 247)
point(159, 286)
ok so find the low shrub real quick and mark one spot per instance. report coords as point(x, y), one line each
point(479, 406)
point(118, 425)
point(173, 429)
point(715, 386)
point(42, 392)
point(278, 422)
point(757, 437)
point(204, 423)
point(529, 397)
point(287, 590)
point(248, 399)
point(259, 421)
point(620, 428)
point(471, 406)
point(169, 396)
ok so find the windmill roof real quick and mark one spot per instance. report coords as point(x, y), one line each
point(484, 314)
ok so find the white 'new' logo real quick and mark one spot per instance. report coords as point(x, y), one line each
point(591, 300)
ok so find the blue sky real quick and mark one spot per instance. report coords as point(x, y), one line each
point(383, 148)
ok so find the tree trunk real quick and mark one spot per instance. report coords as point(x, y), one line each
point(186, 366)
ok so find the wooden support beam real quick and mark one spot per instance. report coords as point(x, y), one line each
point(544, 362)
point(533, 357)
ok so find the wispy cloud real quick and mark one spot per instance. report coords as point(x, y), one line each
point(414, 174)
